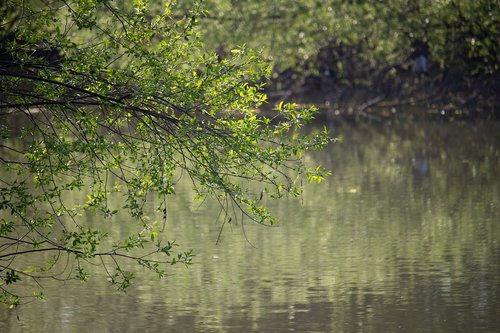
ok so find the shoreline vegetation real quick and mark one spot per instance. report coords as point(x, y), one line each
point(368, 58)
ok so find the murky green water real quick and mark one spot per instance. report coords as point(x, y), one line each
point(404, 237)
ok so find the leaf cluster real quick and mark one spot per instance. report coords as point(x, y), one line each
point(118, 100)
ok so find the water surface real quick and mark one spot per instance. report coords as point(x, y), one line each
point(404, 237)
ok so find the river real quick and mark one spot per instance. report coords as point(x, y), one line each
point(403, 237)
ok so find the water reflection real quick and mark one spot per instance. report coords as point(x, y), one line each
point(405, 237)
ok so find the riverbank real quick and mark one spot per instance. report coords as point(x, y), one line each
point(442, 95)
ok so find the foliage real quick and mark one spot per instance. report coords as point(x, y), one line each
point(121, 101)
point(461, 35)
